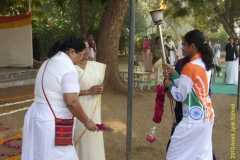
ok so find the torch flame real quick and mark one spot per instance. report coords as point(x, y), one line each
point(162, 5)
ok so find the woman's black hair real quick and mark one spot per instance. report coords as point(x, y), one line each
point(199, 40)
point(236, 39)
point(76, 43)
point(156, 39)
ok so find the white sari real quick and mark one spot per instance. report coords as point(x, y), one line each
point(232, 72)
point(90, 145)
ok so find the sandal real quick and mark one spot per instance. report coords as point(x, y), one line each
point(104, 128)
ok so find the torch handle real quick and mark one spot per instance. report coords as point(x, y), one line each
point(163, 48)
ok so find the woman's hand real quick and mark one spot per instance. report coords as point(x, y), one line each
point(90, 125)
point(168, 68)
point(166, 74)
point(97, 89)
point(167, 83)
point(71, 100)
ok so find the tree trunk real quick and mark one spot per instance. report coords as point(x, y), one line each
point(82, 19)
point(108, 43)
point(225, 20)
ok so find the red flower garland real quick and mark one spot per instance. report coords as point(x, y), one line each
point(150, 138)
point(158, 111)
point(159, 107)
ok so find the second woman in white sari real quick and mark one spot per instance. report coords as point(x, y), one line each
point(88, 145)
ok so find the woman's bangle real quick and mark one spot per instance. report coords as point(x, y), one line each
point(86, 121)
point(86, 92)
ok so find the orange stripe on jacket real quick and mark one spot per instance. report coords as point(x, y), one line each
point(200, 83)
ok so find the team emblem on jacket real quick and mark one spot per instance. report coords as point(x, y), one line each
point(196, 113)
point(179, 96)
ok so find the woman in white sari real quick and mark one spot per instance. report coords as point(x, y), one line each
point(90, 146)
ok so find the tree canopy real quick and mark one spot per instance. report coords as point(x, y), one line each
point(210, 14)
point(57, 18)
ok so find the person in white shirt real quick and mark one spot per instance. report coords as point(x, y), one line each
point(180, 54)
point(172, 53)
point(216, 50)
point(208, 42)
point(55, 97)
point(170, 44)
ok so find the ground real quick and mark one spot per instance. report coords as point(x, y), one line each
point(114, 114)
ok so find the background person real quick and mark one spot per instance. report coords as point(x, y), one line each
point(90, 145)
point(158, 59)
point(36, 47)
point(95, 48)
point(92, 46)
point(60, 83)
point(216, 51)
point(173, 49)
point(208, 42)
point(180, 53)
point(231, 61)
point(236, 42)
point(147, 54)
point(170, 50)
point(172, 43)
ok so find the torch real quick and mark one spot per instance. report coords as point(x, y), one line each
point(157, 17)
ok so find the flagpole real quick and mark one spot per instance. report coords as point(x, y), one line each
point(130, 81)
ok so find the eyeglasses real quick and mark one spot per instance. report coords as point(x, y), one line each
point(87, 49)
point(80, 54)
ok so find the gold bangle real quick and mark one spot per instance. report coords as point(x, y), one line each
point(86, 92)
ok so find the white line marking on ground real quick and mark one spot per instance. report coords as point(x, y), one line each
point(20, 102)
point(14, 111)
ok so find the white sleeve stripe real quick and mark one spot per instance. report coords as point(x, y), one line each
point(176, 82)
